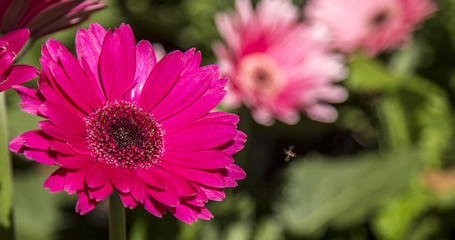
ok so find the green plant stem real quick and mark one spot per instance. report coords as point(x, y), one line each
point(139, 229)
point(117, 222)
point(6, 203)
point(393, 120)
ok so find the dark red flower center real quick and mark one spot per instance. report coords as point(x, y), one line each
point(380, 18)
point(121, 134)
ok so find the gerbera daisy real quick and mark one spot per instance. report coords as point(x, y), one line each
point(276, 65)
point(45, 17)
point(10, 45)
point(370, 25)
point(117, 119)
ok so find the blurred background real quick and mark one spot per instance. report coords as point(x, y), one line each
point(384, 170)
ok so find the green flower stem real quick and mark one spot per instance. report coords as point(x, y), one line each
point(6, 203)
point(393, 120)
point(140, 228)
point(117, 222)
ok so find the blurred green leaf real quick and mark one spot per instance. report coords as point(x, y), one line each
point(238, 231)
point(405, 61)
point(37, 215)
point(394, 122)
point(433, 117)
point(399, 215)
point(369, 75)
point(322, 191)
point(269, 229)
point(426, 229)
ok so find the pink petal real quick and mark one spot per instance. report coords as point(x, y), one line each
point(209, 100)
point(194, 202)
point(88, 46)
point(145, 62)
point(101, 193)
point(185, 213)
point(56, 181)
point(16, 145)
point(234, 145)
point(161, 79)
point(128, 201)
point(185, 92)
point(121, 178)
point(168, 196)
point(93, 82)
point(74, 162)
point(181, 185)
point(117, 62)
point(212, 179)
point(235, 172)
point(84, 203)
point(16, 39)
point(44, 157)
point(209, 159)
point(35, 139)
point(29, 93)
point(322, 112)
point(194, 61)
point(50, 14)
point(154, 208)
point(97, 175)
point(200, 135)
point(67, 87)
point(80, 148)
point(78, 14)
point(62, 118)
point(149, 177)
point(17, 74)
point(214, 194)
point(52, 95)
point(6, 60)
point(32, 99)
point(200, 196)
point(204, 214)
point(139, 191)
point(60, 133)
point(61, 147)
point(74, 181)
point(91, 91)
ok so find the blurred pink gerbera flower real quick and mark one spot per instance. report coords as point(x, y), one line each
point(45, 17)
point(369, 25)
point(117, 119)
point(277, 66)
point(10, 45)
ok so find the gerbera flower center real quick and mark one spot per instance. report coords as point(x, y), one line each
point(380, 18)
point(121, 134)
point(261, 75)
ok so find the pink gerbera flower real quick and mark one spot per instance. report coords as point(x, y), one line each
point(369, 25)
point(45, 17)
point(10, 45)
point(277, 66)
point(117, 119)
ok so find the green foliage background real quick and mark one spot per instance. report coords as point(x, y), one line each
point(384, 170)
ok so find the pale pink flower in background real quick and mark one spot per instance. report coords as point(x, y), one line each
point(43, 17)
point(10, 45)
point(277, 66)
point(369, 25)
point(160, 52)
point(118, 119)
